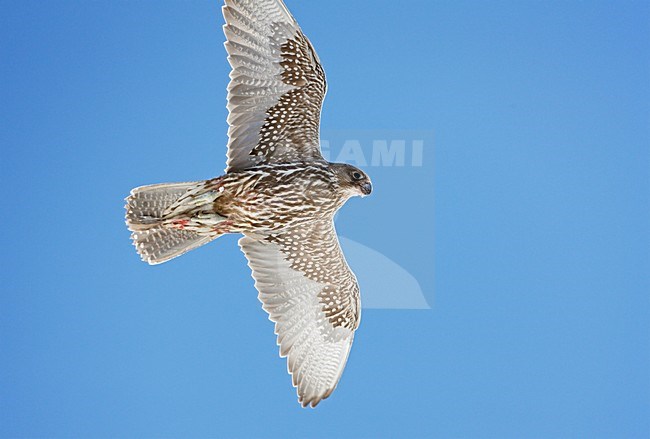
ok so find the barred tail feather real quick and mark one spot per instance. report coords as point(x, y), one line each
point(154, 241)
point(160, 244)
point(146, 204)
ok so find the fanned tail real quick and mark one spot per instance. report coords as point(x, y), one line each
point(152, 212)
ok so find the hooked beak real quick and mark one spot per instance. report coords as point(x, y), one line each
point(366, 188)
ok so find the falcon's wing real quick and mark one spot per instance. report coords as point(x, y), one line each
point(307, 288)
point(276, 89)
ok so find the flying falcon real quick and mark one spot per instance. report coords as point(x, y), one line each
point(277, 191)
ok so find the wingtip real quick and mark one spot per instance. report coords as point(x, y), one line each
point(313, 401)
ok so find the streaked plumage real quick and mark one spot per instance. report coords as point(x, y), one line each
point(278, 191)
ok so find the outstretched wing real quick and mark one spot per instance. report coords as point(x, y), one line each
point(276, 89)
point(307, 288)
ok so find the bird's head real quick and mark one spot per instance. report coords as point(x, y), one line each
point(352, 181)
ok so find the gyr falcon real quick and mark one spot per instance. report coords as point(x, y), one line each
point(277, 190)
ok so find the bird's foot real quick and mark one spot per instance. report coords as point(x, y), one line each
point(180, 224)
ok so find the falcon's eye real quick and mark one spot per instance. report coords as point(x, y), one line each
point(357, 175)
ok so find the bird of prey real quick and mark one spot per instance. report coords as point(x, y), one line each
point(277, 190)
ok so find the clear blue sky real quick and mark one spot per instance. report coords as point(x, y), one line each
point(534, 197)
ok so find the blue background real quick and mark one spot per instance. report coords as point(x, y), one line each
point(539, 223)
